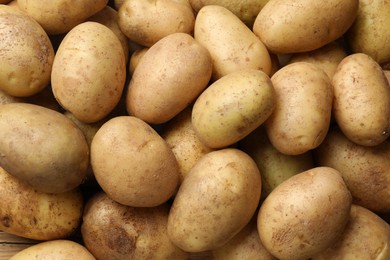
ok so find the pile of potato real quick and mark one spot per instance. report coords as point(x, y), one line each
point(177, 129)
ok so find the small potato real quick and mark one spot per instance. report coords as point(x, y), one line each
point(42, 147)
point(299, 219)
point(114, 231)
point(215, 201)
point(232, 107)
point(302, 114)
point(26, 54)
point(28, 213)
point(362, 100)
point(286, 26)
point(147, 22)
point(89, 72)
point(60, 249)
point(232, 45)
point(135, 58)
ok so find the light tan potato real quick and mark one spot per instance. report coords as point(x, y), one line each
point(60, 249)
point(28, 213)
point(362, 100)
point(170, 75)
point(290, 27)
point(365, 169)
point(215, 201)
point(366, 236)
point(114, 231)
point(147, 22)
point(232, 107)
point(14, 3)
point(135, 58)
point(58, 17)
point(89, 72)
point(26, 54)
point(232, 45)
point(302, 114)
point(298, 218)
point(133, 164)
point(5, 98)
point(42, 147)
point(118, 4)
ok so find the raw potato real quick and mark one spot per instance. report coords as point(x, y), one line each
point(232, 107)
point(298, 218)
point(170, 75)
point(286, 26)
point(362, 100)
point(302, 114)
point(232, 45)
point(60, 16)
point(133, 164)
point(135, 58)
point(114, 231)
point(367, 236)
point(5, 98)
point(28, 213)
point(26, 54)
point(365, 169)
point(147, 22)
point(89, 71)
point(215, 201)
point(60, 249)
point(42, 147)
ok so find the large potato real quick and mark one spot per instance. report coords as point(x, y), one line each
point(89, 71)
point(361, 104)
point(286, 26)
point(232, 45)
point(170, 75)
point(114, 231)
point(215, 201)
point(305, 214)
point(26, 54)
point(42, 147)
point(28, 213)
point(302, 114)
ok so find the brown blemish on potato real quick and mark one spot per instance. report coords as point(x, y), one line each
point(120, 241)
point(6, 221)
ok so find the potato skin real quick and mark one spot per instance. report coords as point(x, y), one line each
point(42, 147)
point(215, 201)
point(114, 231)
point(29, 213)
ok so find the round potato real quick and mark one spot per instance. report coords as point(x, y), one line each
point(114, 231)
point(132, 163)
point(232, 107)
point(135, 58)
point(28, 213)
point(303, 109)
point(232, 45)
point(26, 54)
point(42, 147)
point(89, 72)
point(301, 26)
point(215, 201)
point(298, 218)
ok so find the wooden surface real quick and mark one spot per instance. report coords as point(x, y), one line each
point(10, 245)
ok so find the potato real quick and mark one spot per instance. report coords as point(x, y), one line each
point(58, 17)
point(28, 213)
point(367, 236)
point(298, 218)
point(89, 72)
point(215, 201)
point(114, 231)
point(365, 169)
point(26, 54)
point(61, 249)
point(232, 107)
point(147, 22)
point(5, 98)
point(4, 1)
point(135, 58)
point(42, 147)
point(289, 27)
point(170, 75)
point(232, 45)
point(133, 164)
point(302, 113)
point(362, 100)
